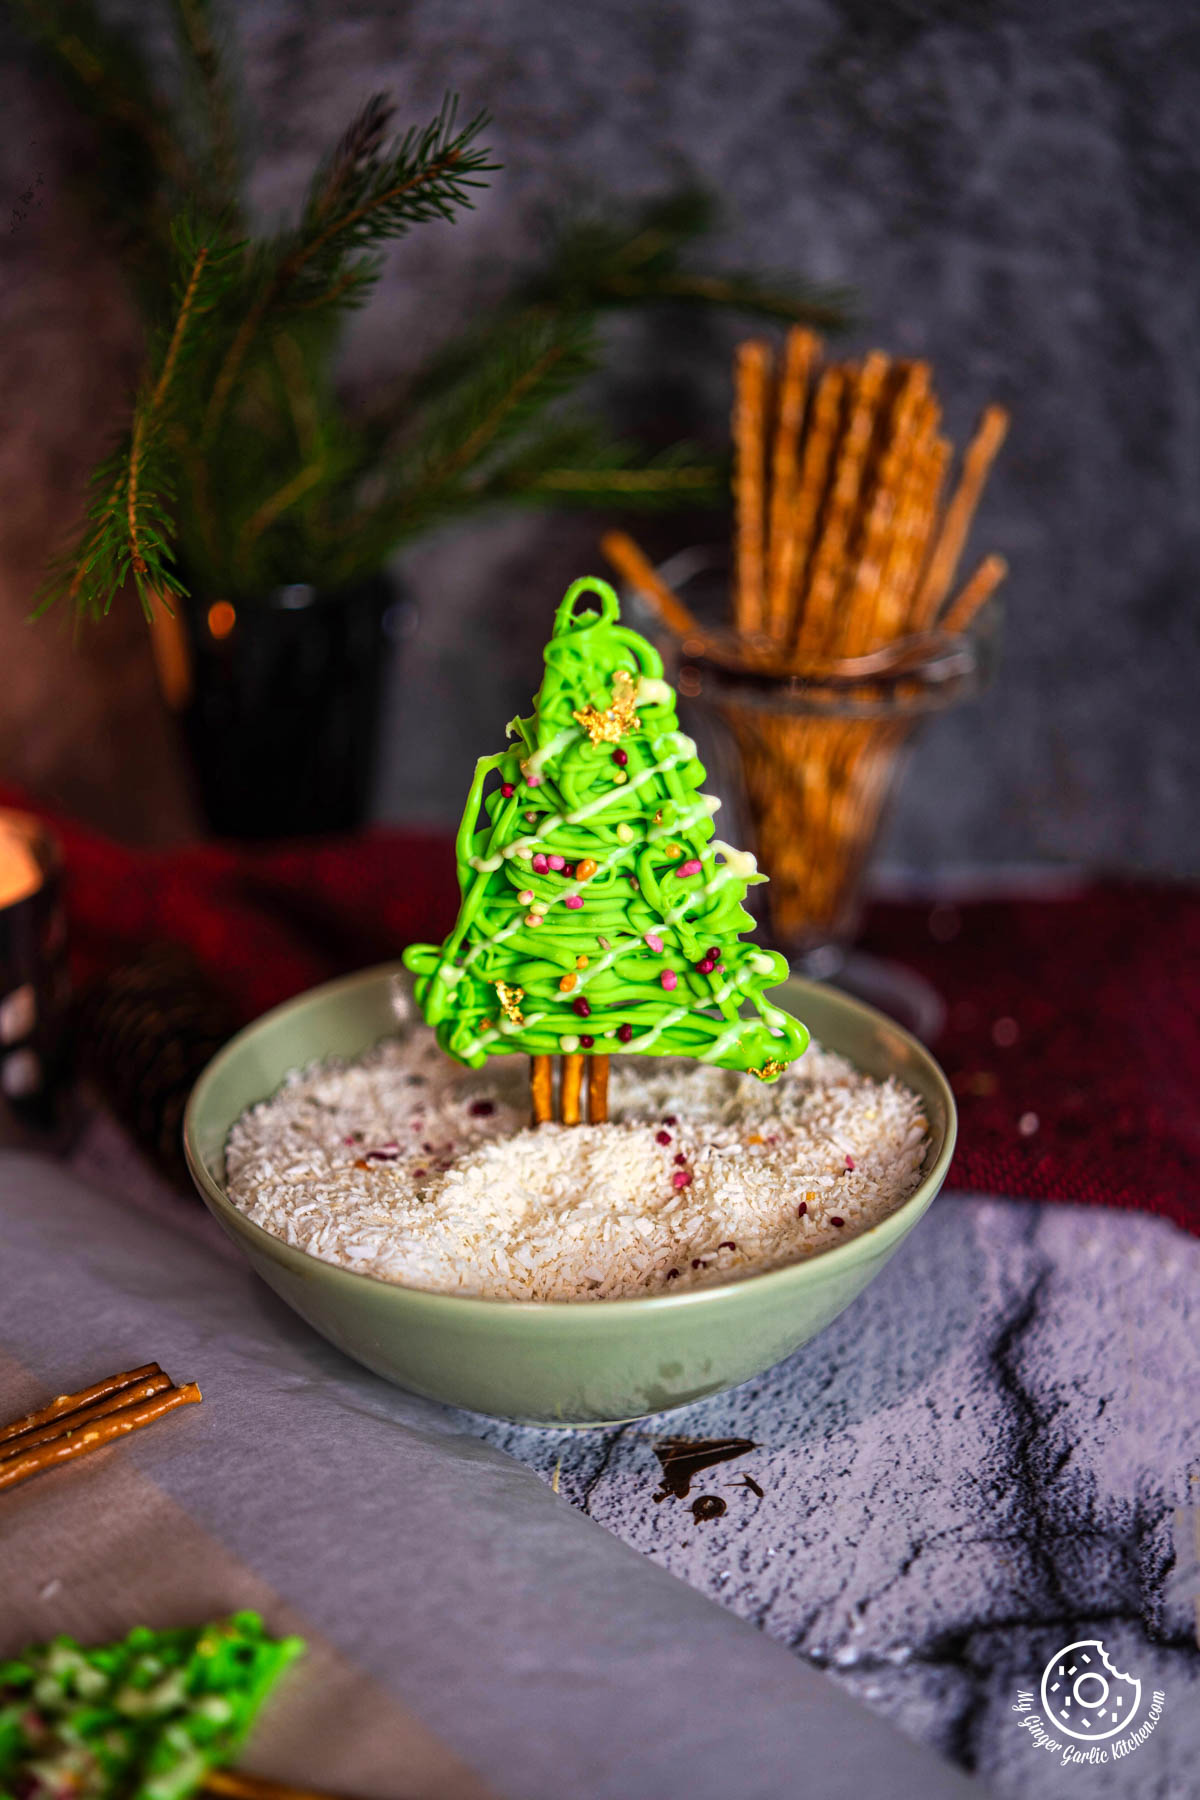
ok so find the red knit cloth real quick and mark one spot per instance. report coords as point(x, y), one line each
point(1073, 1024)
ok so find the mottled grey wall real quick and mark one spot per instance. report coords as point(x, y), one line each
point(1014, 188)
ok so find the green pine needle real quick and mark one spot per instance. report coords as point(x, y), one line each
point(129, 529)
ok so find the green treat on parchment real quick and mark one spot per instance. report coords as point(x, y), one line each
point(143, 1719)
point(640, 954)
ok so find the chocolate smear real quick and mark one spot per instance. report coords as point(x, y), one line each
point(707, 1506)
point(748, 1481)
point(682, 1459)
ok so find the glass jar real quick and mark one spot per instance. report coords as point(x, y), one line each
point(806, 763)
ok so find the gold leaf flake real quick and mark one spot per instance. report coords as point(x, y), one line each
point(769, 1070)
point(609, 725)
point(510, 1001)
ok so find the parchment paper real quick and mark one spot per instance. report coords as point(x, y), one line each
point(472, 1633)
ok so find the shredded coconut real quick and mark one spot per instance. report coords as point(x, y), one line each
point(405, 1166)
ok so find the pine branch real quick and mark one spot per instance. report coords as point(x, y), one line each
point(599, 263)
point(362, 198)
point(527, 367)
point(129, 527)
point(104, 70)
point(576, 464)
point(197, 35)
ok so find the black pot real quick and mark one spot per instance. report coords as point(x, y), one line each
point(283, 722)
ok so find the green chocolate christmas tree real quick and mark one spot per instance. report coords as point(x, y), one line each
point(143, 1719)
point(599, 913)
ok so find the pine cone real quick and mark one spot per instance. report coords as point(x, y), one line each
point(143, 1034)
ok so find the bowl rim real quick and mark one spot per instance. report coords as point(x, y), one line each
point(877, 1239)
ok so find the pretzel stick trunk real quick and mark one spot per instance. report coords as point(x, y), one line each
point(597, 1088)
point(981, 453)
point(94, 1437)
point(803, 348)
point(750, 453)
point(977, 592)
point(72, 1421)
point(571, 1089)
point(541, 1089)
point(66, 1403)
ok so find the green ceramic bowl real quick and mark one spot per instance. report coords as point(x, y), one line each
point(553, 1363)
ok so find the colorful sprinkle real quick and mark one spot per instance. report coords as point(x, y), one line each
point(587, 1042)
point(540, 864)
point(624, 834)
point(625, 1033)
point(837, 1220)
point(568, 1045)
point(680, 1157)
point(802, 1209)
point(619, 777)
point(581, 961)
point(654, 942)
point(850, 1162)
point(567, 983)
point(525, 896)
point(573, 901)
point(706, 965)
point(727, 1245)
point(620, 757)
point(669, 979)
point(507, 789)
point(556, 862)
point(681, 1178)
point(582, 1006)
point(672, 851)
point(662, 1137)
point(585, 868)
point(672, 1274)
point(535, 918)
point(691, 867)
point(670, 1119)
point(482, 1109)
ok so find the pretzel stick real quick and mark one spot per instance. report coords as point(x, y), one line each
point(571, 1089)
point(860, 631)
point(71, 1402)
point(597, 1088)
point(94, 1437)
point(976, 593)
point(915, 524)
point(753, 370)
point(852, 453)
point(803, 348)
point(44, 1434)
point(981, 453)
point(634, 568)
point(236, 1786)
point(820, 439)
point(541, 1089)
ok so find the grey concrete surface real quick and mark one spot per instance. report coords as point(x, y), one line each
point(1013, 189)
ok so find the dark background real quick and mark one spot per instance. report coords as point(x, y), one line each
point(1013, 189)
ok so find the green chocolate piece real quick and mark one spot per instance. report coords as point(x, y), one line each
point(143, 1719)
point(601, 774)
